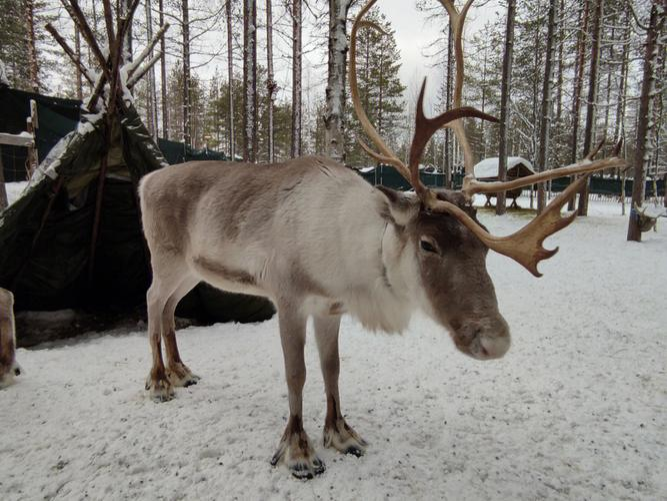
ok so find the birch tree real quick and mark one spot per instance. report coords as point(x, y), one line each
point(334, 116)
point(297, 29)
point(654, 45)
point(250, 80)
point(230, 78)
point(32, 45)
point(163, 76)
point(271, 85)
point(187, 76)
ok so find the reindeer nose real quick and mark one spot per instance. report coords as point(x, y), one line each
point(484, 339)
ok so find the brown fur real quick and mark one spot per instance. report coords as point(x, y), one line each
point(7, 335)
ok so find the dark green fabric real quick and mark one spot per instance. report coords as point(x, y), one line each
point(57, 117)
point(388, 176)
point(177, 153)
point(52, 271)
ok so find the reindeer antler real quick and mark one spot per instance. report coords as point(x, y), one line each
point(425, 127)
point(524, 246)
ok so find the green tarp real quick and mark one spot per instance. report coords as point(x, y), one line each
point(45, 261)
point(388, 176)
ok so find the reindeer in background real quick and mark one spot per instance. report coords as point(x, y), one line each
point(320, 242)
point(8, 366)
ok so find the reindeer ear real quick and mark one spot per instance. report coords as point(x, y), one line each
point(403, 207)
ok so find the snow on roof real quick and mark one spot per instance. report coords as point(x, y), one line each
point(489, 166)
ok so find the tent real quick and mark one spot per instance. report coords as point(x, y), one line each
point(74, 239)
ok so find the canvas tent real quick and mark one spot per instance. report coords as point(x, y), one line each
point(74, 238)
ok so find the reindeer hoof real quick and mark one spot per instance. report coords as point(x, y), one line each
point(7, 374)
point(343, 438)
point(299, 456)
point(304, 471)
point(160, 390)
point(355, 451)
point(181, 377)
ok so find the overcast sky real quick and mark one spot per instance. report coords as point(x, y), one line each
point(414, 32)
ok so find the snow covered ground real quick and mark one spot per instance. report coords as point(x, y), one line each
point(576, 410)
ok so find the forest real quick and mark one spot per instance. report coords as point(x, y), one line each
point(561, 74)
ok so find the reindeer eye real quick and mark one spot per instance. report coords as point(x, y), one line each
point(428, 246)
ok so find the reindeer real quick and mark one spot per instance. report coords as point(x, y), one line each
point(8, 366)
point(320, 242)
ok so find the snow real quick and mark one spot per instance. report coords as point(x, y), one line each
point(489, 166)
point(3, 74)
point(15, 190)
point(576, 410)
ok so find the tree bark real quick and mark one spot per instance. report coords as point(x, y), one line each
point(578, 86)
point(151, 102)
point(79, 76)
point(449, 143)
point(506, 87)
point(32, 47)
point(163, 77)
point(296, 78)
point(271, 85)
point(3, 190)
point(334, 117)
point(250, 80)
point(592, 98)
point(127, 42)
point(230, 83)
point(547, 101)
point(187, 129)
point(656, 24)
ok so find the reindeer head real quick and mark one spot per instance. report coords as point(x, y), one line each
point(449, 243)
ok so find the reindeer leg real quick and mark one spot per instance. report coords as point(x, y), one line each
point(157, 383)
point(295, 448)
point(8, 366)
point(337, 433)
point(177, 372)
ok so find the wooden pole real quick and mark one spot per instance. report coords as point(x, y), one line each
point(3, 191)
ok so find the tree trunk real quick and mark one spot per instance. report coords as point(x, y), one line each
point(151, 102)
point(187, 129)
point(449, 144)
point(592, 98)
point(535, 115)
point(163, 77)
point(127, 43)
point(547, 101)
point(334, 117)
point(250, 80)
point(296, 78)
point(230, 83)
point(642, 157)
point(77, 49)
point(32, 48)
point(578, 86)
point(271, 85)
point(504, 103)
point(561, 62)
point(3, 191)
